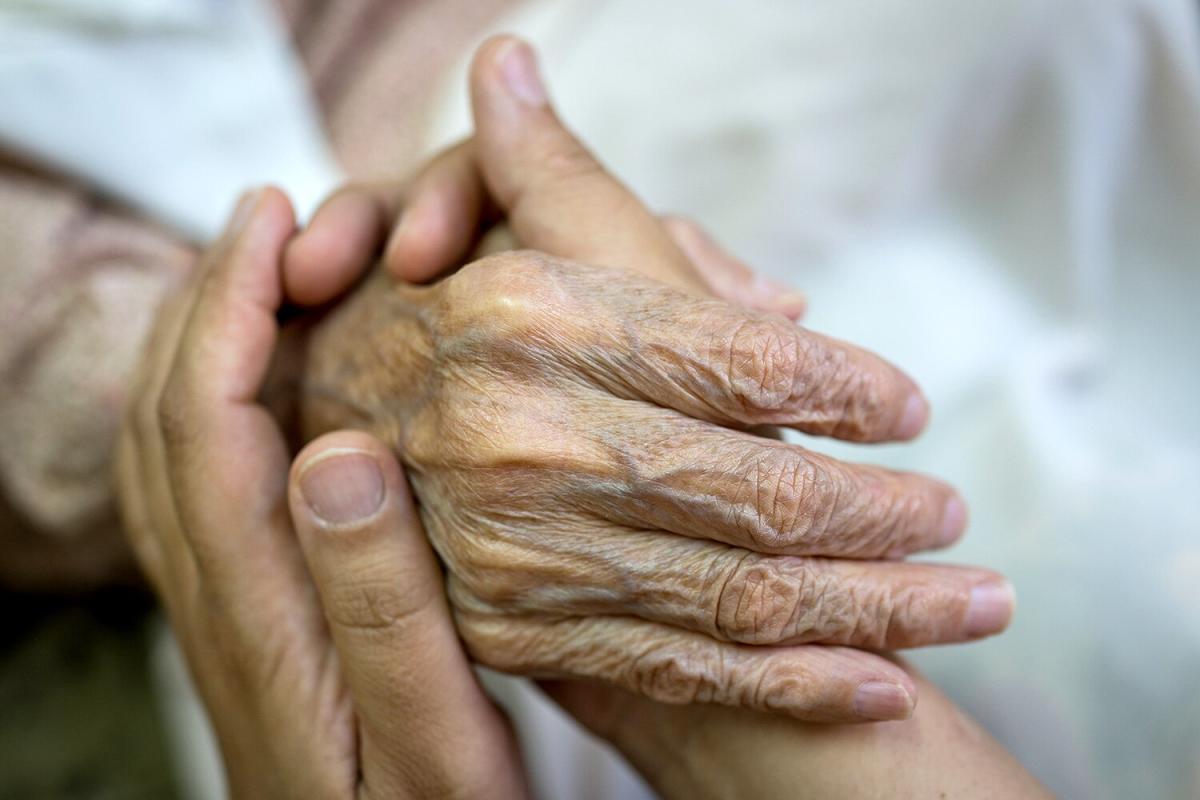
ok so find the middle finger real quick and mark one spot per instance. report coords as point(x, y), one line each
point(662, 470)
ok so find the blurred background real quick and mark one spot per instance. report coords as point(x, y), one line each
point(1001, 196)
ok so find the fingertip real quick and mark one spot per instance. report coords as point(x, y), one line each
point(350, 501)
point(273, 202)
point(342, 488)
point(990, 609)
point(267, 209)
point(914, 417)
point(443, 211)
point(954, 520)
point(363, 451)
point(418, 248)
point(514, 123)
point(883, 701)
point(333, 252)
point(885, 691)
point(248, 258)
point(507, 65)
point(860, 686)
point(779, 297)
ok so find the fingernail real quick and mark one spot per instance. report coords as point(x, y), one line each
point(792, 299)
point(343, 488)
point(954, 521)
point(776, 291)
point(990, 609)
point(243, 211)
point(883, 701)
point(518, 67)
point(916, 414)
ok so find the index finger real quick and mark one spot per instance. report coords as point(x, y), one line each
point(219, 442)
point(641, 340)
point(740, 367)
point(230, 334)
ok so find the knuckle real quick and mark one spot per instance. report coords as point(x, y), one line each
point(883, 520)
point(797, 600)
point(826, 386)
point(494, 447)
point(896, 535)
point(871, 617)
point(764, 359)
point(790, 498)
point(901, 609)
point(496, 642)
point(777, 687)
point(569, 162)
point(859, 614)
point(373, 605)
point(254, 658)
point(679, 675)
point(500, 299)
point(862, 402)
point(491, 572)
point(760, 603)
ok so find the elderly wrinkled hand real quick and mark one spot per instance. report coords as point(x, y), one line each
point(579, 438)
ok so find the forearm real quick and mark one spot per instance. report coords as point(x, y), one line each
point(714, 752)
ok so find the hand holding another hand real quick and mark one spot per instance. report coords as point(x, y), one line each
point(278, 613)
point(312, 614)
point(577, 422)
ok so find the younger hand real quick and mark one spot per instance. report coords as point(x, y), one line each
point(347, 684)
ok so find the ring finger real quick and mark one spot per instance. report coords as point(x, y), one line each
point(740, 596)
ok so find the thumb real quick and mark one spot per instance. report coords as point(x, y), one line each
point(426, 728)
point(557, 196)
point(728, 277)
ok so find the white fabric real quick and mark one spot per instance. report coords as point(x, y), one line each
point(1004, 198)
point(171, 106)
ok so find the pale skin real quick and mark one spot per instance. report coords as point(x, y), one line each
point(360, 688)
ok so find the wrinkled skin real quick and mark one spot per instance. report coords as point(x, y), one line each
point(576, 437)
point(582, 442)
